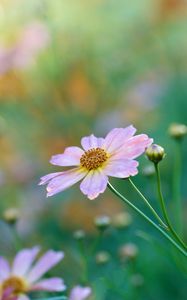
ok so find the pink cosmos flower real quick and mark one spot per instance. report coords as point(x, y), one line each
point(100, 157)
point(80, 293)
point(23, 277)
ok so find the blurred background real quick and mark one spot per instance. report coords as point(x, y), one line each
point(71, 68)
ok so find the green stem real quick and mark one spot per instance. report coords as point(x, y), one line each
point(147, 219)
point(84, 261)
point(163, 207)
point(16, 240)
point(149, 205)
point(96, 243)
point(176, 185)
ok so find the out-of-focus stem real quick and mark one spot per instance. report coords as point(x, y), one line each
point(176, 186)
point(169, 238)
point(84, 261)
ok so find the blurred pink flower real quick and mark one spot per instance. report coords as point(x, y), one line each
point(24, 277)
point(34, 38)
point(7, 295)
point(102, 157)
point(80, 293)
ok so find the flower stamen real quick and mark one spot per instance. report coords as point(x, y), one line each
point(93, 158)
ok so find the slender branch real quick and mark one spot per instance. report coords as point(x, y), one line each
point(163, 207)
point(149, 205)
point(147, 219)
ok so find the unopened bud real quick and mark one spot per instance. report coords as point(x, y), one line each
point(122, 220)
point(128, 251)
point(177, 131)
point(79, 234)
point(137, 280)
point(102, 222)
point(11, 215)
point(102, 257)
point(148, 170)
point(155, 153)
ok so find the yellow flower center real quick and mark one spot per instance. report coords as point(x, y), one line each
point(17, 285)
point(93, 158)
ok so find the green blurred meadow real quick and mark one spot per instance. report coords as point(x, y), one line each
point(83, 67)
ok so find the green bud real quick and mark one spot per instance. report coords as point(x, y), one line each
point(148, 171)
point(121, 220)
point(79, 234)
point(177, 131)
point(102, 257)
point(11, 215)
point(137, 280)
point(155, 153)
point(128, 251)
point(102, 222)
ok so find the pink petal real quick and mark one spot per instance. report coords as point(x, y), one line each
point(134, 147)
point(50, 285)
point(45, 263)
point(80, 293)
point(117, 137)
point(45, 179)
point(4, 268)
point(121, 168)
point(8, 294)
point(70, 157)
point(23, 297)
point(65, 180)
point(94, 184)
point(89, 142)
point(24, 260)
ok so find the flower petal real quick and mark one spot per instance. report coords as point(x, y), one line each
point(70, 157)
point(65, 180)
point(46, 262)
point(94, 184)
point(22, 297)
point(117, 137)
point(51, 285)
point(134, 147)
point(4, 268)
point(24, 260)
point(8, 294)
point(89, 142)
point(80, 293)
point(121, 168)
point(45, 179)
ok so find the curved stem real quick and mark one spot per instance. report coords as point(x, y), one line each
point(163, 207)
point(147, 219)
point(149, 205)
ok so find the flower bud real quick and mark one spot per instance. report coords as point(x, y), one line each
point(128, 251)
point(148, 171)
point(137, 280)
point(155, 153)
point(102, 257)
point(102, 222)
point(79, 234)
point(177, 131)
point(121, 220)
point(11, 215)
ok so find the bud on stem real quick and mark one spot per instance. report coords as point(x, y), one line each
point(155, 153)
